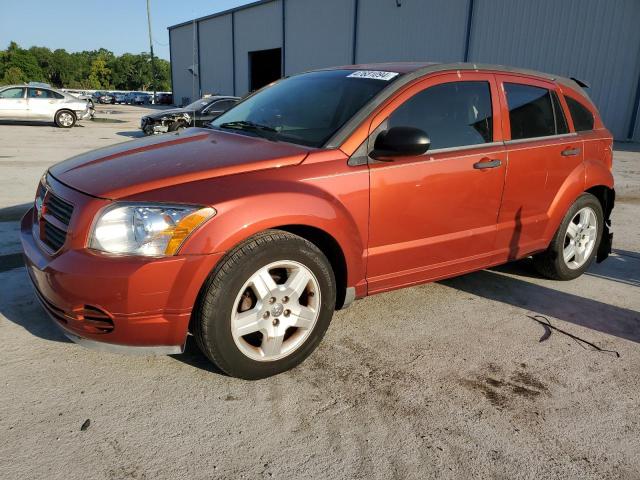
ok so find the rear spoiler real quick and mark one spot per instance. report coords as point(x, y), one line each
point(580, 82)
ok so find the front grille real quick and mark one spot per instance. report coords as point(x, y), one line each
point(59, 208)
point(52, 236)
point(49, 206)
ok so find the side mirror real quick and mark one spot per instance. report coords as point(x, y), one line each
point(400, 142)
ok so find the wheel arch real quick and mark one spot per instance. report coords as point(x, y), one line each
point(606, 196)
point(328, 245)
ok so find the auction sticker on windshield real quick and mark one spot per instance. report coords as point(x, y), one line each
point(374, 74)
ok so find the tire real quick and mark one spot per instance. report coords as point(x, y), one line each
point(557, 262)
point(65, 119)
point(231, 291)
point(178, 126)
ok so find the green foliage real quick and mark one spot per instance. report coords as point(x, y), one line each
point(96, 69)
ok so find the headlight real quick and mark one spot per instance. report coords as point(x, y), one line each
point(143, 229)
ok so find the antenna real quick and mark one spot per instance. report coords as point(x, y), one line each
point(153, 63)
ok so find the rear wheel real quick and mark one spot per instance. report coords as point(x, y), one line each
point(65, 119)
point(575, 244)
point(266, 307)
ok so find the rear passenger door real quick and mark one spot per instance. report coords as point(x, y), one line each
point(542, 155)
point(43, 103)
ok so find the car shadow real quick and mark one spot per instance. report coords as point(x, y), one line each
point(622, 266)
point(194, 357)
point(27, 123)
point(132, 134)
point(15, 212)
point(626, 146)
point(18, 302)
point(19, 305)
point(496, 285)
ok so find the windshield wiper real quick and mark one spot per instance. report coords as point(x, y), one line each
point(248, 125)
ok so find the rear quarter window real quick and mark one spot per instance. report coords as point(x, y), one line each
point(581, 115)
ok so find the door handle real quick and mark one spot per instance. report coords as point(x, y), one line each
point(487, 164)
point(570, 152)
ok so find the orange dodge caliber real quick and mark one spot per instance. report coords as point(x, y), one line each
point(319, 189)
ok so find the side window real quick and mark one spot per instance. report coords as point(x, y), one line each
point(56, 95)
point(12, 93)
point(221, 106)
point(561, 122)
point(40, 93)
point(530, 111)
point(582, 117)
point(452, 114)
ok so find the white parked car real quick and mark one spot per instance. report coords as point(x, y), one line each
point(36, 103)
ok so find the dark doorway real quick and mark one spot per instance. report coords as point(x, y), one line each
point(265, 66)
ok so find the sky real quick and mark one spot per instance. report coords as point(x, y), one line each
point(117, 25)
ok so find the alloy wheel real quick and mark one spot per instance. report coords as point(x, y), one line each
point(580, 238)
point(66, 119)
point(275, 310)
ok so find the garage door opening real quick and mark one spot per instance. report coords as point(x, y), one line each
point(265, 66)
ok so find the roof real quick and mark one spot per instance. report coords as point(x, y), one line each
point(413, 71)
point(422, 68)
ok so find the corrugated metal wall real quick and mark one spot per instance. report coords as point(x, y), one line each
point(256, 28)
point(323, 42)
point(184, 55)
point(216, 56)
point(428, 30)
point(597, 41)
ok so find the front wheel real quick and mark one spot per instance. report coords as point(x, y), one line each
point(65, 119)
point(266, 306)
point(178, 126)
point(576, 242)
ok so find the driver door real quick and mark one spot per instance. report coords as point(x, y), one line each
point(435, 215)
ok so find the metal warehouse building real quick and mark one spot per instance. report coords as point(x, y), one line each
point(240, 50)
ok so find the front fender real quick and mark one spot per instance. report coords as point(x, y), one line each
point(288, 203)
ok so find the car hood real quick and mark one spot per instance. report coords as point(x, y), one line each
point(155, 162)
point(169, 112)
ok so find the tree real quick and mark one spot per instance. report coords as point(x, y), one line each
point(100, 75)
point(95, 69)
point(13, 75)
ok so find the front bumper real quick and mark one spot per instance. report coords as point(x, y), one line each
point(129, 304)
point(151, 127)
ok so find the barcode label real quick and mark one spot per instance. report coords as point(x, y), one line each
point(374, 74)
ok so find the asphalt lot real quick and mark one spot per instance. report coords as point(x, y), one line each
point(456, 379)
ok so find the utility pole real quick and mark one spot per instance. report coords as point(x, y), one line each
point(153, 63)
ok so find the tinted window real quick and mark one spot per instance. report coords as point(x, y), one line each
point(306, 109)
point(43, 93)
point(561, 122)
point(12, 93)
point(582, 117)
point(222, 106)
point(452, 114)
point(530, 111)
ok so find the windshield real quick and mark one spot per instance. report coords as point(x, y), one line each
point(199, 104)
point(305, 109)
